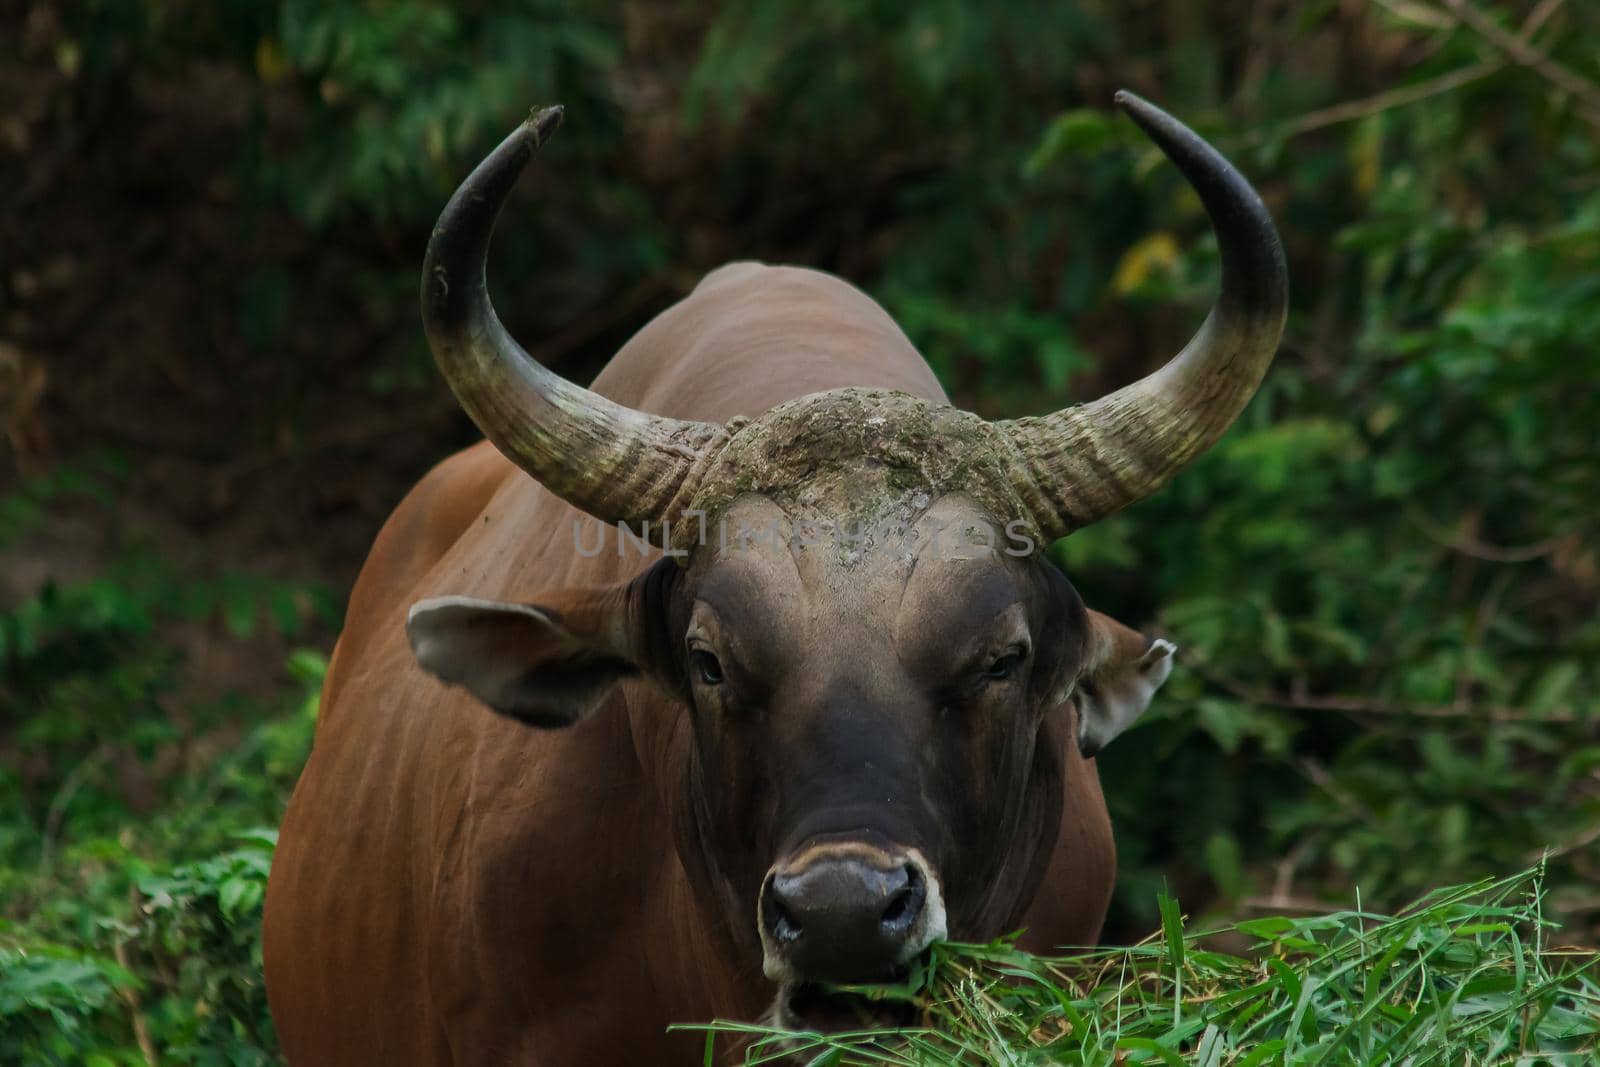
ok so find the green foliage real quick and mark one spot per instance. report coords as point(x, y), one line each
point(204, 919)
point(1396, 605)
point(114, 938)
point(387, 79)
point(1462, 976)
point(49, 997)
point(185, 962)
point(93, 667)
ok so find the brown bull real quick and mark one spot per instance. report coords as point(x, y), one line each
point(850, 710)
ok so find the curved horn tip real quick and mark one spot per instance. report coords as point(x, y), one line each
point(1142, 111)
point(542, 122)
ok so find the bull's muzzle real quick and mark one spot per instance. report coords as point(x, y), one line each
point(848, 912)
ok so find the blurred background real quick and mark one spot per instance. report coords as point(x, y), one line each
point(213, 388)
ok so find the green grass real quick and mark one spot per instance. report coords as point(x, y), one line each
point(1463, 976)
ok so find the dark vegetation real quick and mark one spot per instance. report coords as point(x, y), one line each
point(1384, 580)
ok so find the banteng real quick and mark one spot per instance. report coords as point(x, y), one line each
point(563, 795)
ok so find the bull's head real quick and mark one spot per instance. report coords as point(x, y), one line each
point(870, 644)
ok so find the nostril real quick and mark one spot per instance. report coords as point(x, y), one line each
point(906, 903)
point(783, 924)
point(897, 908)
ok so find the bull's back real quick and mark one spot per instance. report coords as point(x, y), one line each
point(360, 940)
point(751, 336)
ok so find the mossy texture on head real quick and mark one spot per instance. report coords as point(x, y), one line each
point(860, 455)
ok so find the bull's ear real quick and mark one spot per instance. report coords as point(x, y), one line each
point(1122, 670)
point(540, 665)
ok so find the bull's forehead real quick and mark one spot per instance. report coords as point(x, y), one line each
point(893, 568)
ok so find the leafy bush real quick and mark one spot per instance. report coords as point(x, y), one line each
point(201, 929)
point(51, 997)
point(118, 945)
point(181, 973)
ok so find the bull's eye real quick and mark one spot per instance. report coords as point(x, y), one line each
point(706, 666)
point(1003, 667)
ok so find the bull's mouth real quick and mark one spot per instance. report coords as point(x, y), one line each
point(826, 1008)
point(833, 1009)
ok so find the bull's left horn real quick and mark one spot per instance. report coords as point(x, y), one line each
point(611, 461)
point(1083, 463)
